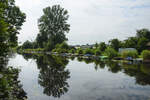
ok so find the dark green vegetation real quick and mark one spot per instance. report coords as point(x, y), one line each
point(11, 20)
point(10, 87)
point(146, 55)
point(111, 50)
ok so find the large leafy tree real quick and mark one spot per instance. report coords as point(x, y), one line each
point(131, 42)
point(141, 45)
point(143, 33)
point(115, 43)
point(11, 20)
point(102, 46)
point(53, 26)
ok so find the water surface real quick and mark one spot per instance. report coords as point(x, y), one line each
point(46, 77)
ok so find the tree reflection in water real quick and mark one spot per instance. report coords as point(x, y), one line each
point(141, 72)
point(10, 86)
point(53, 75)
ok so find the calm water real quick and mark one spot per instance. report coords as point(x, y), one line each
point(56, 78)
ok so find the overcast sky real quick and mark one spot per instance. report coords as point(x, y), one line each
point(91, 20)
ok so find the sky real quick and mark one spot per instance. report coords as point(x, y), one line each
point(91, 20)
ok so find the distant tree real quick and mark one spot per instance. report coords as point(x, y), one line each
point(72, 51)
point(143, 33)
point(97, 52)
point(141, 45)
point(96, 45)
point(115, 43)
point(27, 45)
point(64, 45)
point(88, 51)
point(80, 51)
point(102, 46)
point(53, 26)
point(131, 42)
point(111, 53)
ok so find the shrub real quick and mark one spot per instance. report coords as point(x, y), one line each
point(146, 55)
point(133, 54)
point(97, 52)
point(80, 51)
point(72, 51)
point(89, 51)
point(59, 50)
point(111, 53)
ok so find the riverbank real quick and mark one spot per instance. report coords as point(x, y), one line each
point(89, 56)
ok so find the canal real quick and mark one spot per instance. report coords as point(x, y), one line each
point(46, 77)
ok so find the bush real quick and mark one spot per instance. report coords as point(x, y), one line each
point(133, 54)
point(59, 50)
point(146, 55)
point(97, 52)
point(80, 51)
point(72, 51)
point(89, 51)
point(111, 53)
point(63, 45)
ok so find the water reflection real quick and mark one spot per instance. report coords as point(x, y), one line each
point(10, 87)
point(108, 81)
point(141, 72)
point(53, 75)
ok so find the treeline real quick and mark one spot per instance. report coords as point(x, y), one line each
point(139, 42)
point(53, 27)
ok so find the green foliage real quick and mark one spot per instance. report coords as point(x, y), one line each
point(102, 46)
point(133, 54)
point(11, 19)
point(142, 44)
point(63, 45)
point(80, 51)
point(27, 45)
point(52, 26)
point(110, 52)
point(89, 51)
point(146, 55)
point(131, 42)
point(14, 18)
point(143, 33)
point(10, 87)
point(97, 52)
point(115, 43)
point(96, 45)
point(72, 51)
point(49, 46)
point(61, 48)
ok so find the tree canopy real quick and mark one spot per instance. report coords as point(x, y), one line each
point(52, 26)
point(11, 20)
